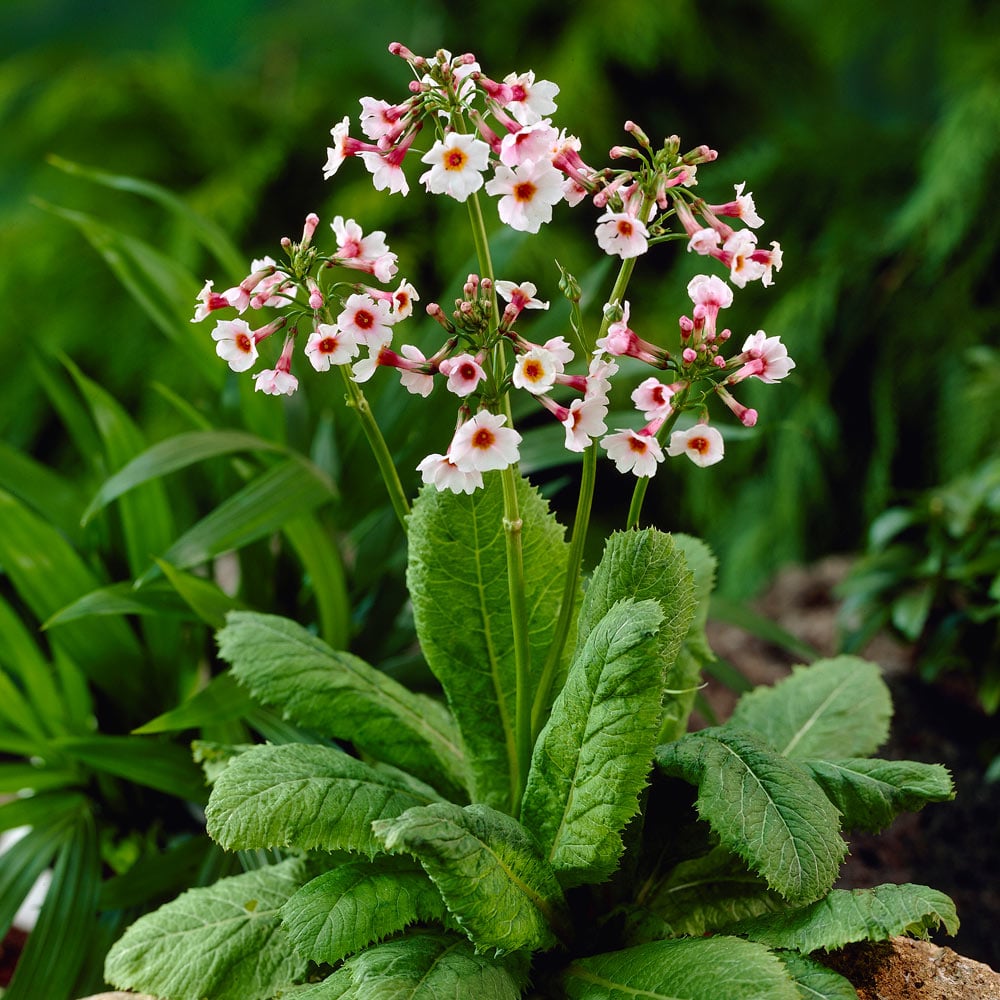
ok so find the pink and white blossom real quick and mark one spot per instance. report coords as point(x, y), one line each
point(367, 320)
point(559, 348)
point(652, 398)
point(772, 352)
point(464, 374)
point(413, 380)
point(622, 233)
point(531, 100)
point(741, 207)
point(379, 118)
point(208, 301)
point(527, 194)
point(483, 444)
point(235, 343)
point(329, 345)
point(457, 163)
point(534, 142)
point(632, 451)
point(279, 380)
point(522, 296)
point(535, 370)
point(701, 443)
point(440, 472)
point(584, 421)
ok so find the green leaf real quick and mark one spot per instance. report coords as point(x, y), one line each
point(763, 807)
point(33, 810)
point(304, 796)
point(168, 456)
point(158, 874)
point(258, 509)
point(870, 793)
point(424, 966)
point(488, 869)
point(700, 896)
point(163, 766)
point(692, 969)
point(593, 756)
point(229, 935)
point(221, 700)
point(814, 980)
point(832, 709)
point(340, 695)
point(358, 904)
point(847, 915)
point(60, 940)
point(457, 580)
point(208, 601)
point(649, 565)
point(54, 498)
point(121, 599)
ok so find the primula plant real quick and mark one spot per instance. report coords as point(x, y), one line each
point(548, 827)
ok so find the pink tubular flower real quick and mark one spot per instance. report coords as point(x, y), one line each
point(329, 345)
point(701, 443)
point(464, 374)
point(483, 444)
point(343, 147)
point(769, 350)
point(208, 301)
point(634, 451)
point(528, 194)
point(622, 234)
point(652, 399)
point(621, 341)
point(363, 253)
point(584, 421)
point(520, 296)
point(366, 320)
point(531, 100)
point(279, 380)
point(742, 207)
point(441, 472)
point(235, 343)
point(457, 164)
point(379, 118)
point(415, 380)
point(534, 142)
point(535, 370)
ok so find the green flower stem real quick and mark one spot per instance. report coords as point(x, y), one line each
point(578, 540)
point(641, 484)
point(358, 402)
point(512, 526)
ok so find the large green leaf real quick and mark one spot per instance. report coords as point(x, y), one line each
point(65, 921)
point(340, 695)
point(422, 966)
point(593, 756)
point(258, 509)
point(763, 807)
point(700, 896)
point(457, 580)
point(815, 981)
point(358, 904)
point(488, 869)
point(847, 915)
point(224, 941)
point(304, 796)
point(830, 710)
point(692, 969)
point(870, 793)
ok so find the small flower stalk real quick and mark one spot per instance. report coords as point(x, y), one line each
point(462, 135)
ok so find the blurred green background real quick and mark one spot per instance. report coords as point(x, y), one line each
point(869, 135)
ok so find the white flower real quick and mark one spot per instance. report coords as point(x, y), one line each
point(235, 343)
point(366, 320)
point(652, 398)
point(633, 452)
point(522, 295)
point(337, 153)
point(443, 474)
point(329, 345)
point(416, 382)
point(457, 164)
point(483, 444)
point(622, 234)
point(774, 354)
point(710, 290)
point(529, 192)
point(387, 173)
point(535, 142)
point(701, 443)
point(464, 374)
point(275, 382)
point(584, 421)
point(704, 241)
point(747, 210)
point(535, 370)
point(531, 100)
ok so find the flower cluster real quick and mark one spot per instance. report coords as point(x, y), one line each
point(497, 137)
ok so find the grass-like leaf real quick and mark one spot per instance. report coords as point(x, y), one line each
point(691, 969)
point(340, 695)
point(870, 793)
point(304, 796)
point(358, 904)
point(593, 756)
point(488, 869)
point(833, 709)
point(847, 915)
point(457, 580)
point(221, 700)
point(744, 785)
point(229, 935)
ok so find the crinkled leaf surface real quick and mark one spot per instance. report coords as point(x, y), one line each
point(357, 904)
point(489, 870)
point(847, 915)
point(814, 980)
point(689, 969)
point(593, 756)
point(301, 795)
point(763, 807)
point(224, 941)
point(700, 896)
point(457, 579)
point(428, 966)
point(340, 695)
point(870, 793)
point(832, 709)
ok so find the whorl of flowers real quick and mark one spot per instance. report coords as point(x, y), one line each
point(497, 137)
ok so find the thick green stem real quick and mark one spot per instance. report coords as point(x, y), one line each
point(357, 400)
